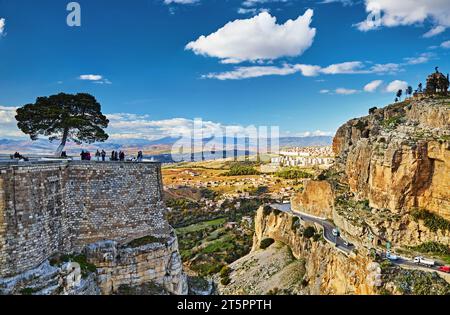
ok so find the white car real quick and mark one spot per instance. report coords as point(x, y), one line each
point(391, 256)
point(335, 232)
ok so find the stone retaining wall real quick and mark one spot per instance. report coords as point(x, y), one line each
point(61, 207)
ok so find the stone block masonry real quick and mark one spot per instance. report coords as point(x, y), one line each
point(61, 207)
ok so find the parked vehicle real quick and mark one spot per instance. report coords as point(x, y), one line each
point(423, 261)
point(445, 269)
point(335, 232)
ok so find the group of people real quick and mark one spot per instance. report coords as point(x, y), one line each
point(18, 156)
point(115, 156)
point(86, 155)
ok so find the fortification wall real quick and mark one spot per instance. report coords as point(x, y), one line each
point(61, 207)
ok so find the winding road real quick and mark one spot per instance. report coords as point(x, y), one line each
point(339, 242)
point(327, 226)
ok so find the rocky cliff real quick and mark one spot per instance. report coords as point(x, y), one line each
point(297, 263)
point(398, 157)
point(391, 165)
point(317, 198)
point(390, 186)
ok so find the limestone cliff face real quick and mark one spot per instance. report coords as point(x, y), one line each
point(323, 269)
point(327, 270)
point(399, 156)
point(157, 261)
point(316, 199)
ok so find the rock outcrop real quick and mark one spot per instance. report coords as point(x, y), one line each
point(158, 262)
point(313, 266)
point(327, 271)
point(399, 156)
point(317, 266)
point(317, 199)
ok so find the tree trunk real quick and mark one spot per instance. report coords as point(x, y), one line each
point(63, 143)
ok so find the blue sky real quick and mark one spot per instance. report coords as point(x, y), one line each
point(147, 65)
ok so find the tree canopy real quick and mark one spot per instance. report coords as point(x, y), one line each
point(64, 117)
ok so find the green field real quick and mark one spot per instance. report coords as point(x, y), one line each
point(201, 226)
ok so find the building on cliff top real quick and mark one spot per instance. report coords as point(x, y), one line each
point(437, 83)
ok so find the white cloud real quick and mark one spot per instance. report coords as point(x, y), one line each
point(180, 1)
point(386, 68)
point(344, 68)
point(315, 133)
point(252, 3)
point(252, 72)
point(257, 38)
point(252, 11)
point(434, 31)
point(344, 91)
point(423, 58)
point(344, 2)
point(372, 86)
point(309, 70)
point(396, 85)
point(352, 67)
point(446, 44)
point(125, 126)
point(339, 91)
point(96, 78)
point(132, 126)
point(8, 123)
point(91, 77)
point(390, 13)
point(2, 25)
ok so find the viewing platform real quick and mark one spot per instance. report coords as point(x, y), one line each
point(6, 161)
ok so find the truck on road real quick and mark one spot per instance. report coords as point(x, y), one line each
point(445, 269)
point(423, 261)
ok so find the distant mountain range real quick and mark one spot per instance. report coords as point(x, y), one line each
point(164, 145)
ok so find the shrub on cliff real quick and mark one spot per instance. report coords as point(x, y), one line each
point(225, 271)
point(432, 221)
point(267, 210)
point(295, 223)
point(432, 248)
point(225, 275)
point(225, 281)
point(391, 123)
point(309, 232)
point(266, 243)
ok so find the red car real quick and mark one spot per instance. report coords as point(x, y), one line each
point(445, 269)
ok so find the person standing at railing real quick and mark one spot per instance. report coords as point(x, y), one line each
point(103, 155)
point(97, 156)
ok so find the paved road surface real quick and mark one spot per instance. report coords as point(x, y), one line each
point(327, 226)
